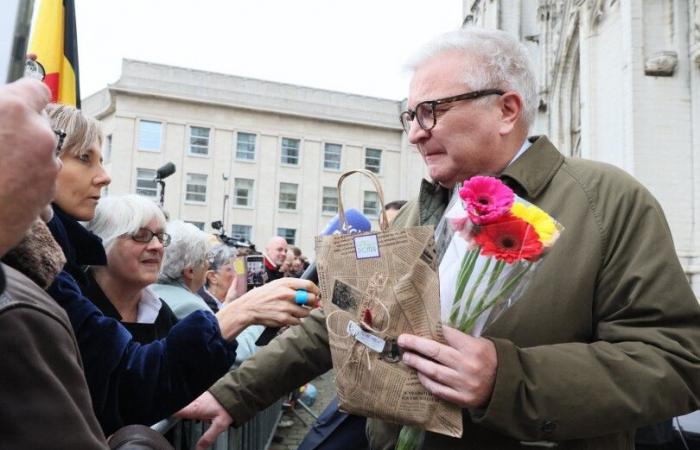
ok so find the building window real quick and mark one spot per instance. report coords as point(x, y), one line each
point(331, 156)
point(290, 151)
point(107, 151)
point(199, 225)
point(242, 232)
point(329, 204)
point(370, 206)
point(196, 190)
point(288, 196)
point(199, 141)
point(145, 183)
point(245, 147)
point(289, 234)
point(242, 192)
point(149, 135)
point(373, 160)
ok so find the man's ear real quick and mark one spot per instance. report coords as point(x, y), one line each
point(188, 273)
point(511, 111)
point(210, 276)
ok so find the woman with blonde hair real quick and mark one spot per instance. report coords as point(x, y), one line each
point(130, 382)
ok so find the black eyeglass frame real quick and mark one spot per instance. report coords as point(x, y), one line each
point(60, 139)
point(411, 113)
point(163, 237)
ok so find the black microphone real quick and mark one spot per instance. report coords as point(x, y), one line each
point(357, 223)
point(165, 171)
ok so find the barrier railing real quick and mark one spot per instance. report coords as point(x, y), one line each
point(256, 434)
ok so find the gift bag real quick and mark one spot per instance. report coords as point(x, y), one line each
point(376, 286)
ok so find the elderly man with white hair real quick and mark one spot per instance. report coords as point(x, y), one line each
point(605, 338)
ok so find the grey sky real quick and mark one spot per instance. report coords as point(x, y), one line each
point(357, 46)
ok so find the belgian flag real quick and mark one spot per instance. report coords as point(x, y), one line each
point(55, 42)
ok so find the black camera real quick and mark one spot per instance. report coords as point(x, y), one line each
point(232, 241)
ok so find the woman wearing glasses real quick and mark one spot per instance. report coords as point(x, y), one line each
point(132, 229)
point(131, 382)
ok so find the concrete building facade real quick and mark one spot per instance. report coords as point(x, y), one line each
point(619, 81)
point(262, 157)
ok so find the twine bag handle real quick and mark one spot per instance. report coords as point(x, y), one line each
point(383, 221)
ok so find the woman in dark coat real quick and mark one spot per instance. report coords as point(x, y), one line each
point(130, 382)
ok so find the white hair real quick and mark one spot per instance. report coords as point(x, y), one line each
point(218, 256)
point(501, 63)
point(188, 248)
point(118, 215)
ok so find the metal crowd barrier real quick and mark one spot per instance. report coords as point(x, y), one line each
point(256, 434)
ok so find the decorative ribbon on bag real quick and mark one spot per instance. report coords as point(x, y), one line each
point(365, 336)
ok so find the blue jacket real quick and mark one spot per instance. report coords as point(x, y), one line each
point(131, 382)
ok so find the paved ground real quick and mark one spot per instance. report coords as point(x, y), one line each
point(292, 436)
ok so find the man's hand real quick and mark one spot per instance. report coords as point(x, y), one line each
point(462, 372)
point(206, 407)
point(28, 165)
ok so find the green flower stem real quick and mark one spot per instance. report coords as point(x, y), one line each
point(410, 438)
point(465, 271)
point(476, 284)
point(495, 274)
point(468, 322)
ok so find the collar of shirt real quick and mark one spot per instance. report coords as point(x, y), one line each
point(218, 302)
point(522, 150)
point(149, 307)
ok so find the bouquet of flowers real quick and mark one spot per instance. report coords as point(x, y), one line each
point(499, 240)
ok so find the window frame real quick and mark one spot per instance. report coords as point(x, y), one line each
point(340, 157)
point(296, 197)
point(287, 164)
point(364, 204)
point(160, 136)
point(187, 184)
point(280, 233)
point(323, 198)
point(250, 231)
point(155, 189)
point(381, 154)
point(251, 194)
point(189, 142)
point(107, 149)
point(255, 147)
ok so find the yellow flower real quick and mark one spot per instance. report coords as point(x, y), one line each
point(543, 224)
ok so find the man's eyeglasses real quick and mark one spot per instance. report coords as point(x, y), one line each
point(61, 137)
point(425, 111)
point(144, 235)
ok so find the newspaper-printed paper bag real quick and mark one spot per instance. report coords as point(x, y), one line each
point(374, 287)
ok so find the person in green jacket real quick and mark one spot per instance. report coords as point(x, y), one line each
point(605, 339)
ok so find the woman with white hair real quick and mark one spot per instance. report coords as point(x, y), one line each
point(131, 382)
point(184, 269)
point(127, 226)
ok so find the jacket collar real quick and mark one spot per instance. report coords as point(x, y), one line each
point(533, 170)
point(80, 246)
point(528, 176)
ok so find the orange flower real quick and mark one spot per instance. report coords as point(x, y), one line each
point(509, 239)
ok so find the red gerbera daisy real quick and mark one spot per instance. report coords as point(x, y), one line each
point(509, 239)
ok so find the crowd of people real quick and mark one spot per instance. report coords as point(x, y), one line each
point(112, 316)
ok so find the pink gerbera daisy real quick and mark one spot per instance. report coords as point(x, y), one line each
point(486, 199)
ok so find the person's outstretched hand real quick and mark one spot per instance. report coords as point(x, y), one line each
point(271, 305)
point(206, 407)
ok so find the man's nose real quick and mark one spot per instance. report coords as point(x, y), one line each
point(417, 134)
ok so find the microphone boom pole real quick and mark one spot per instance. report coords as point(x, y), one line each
point(162, 173)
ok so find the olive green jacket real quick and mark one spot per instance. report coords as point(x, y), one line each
point(605, 339)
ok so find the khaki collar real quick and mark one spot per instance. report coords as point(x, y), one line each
point(534, 169)
point(528, 176)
